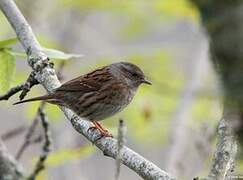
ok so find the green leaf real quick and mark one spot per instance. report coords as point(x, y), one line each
point(56, 54)
point(14, 53)
point(51, 53)
point(7, 68)
point(8, 42)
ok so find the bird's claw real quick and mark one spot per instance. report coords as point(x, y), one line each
point(103, 132)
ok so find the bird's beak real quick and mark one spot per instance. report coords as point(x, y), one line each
point(146, 82)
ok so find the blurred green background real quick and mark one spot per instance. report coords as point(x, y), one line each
point(172, 123)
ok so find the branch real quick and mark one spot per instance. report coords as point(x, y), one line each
point(11, 92)
point(25, 88)
point(46, 147)
point(46, 75)
point(13, 132)
point(177, 162)
point(225, 153)
point(30, 132)
point(120, 144)
point(226, 149)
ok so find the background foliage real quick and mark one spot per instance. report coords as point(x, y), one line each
point(163, 37)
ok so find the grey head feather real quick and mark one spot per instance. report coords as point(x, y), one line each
point(129, 73)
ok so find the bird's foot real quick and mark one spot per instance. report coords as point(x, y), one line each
point(104, 132)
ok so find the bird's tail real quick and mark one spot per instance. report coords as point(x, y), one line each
point(40, 98)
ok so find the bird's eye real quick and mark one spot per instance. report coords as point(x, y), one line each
point(134, 74)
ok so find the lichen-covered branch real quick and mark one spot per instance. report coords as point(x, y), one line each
point(223, 162)
point(136, 162)
point(46, 75)
point(226, 149)
point(224, 156)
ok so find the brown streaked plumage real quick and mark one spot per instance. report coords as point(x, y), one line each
point(98, 94)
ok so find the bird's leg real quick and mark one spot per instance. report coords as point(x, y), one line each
point(104, 132)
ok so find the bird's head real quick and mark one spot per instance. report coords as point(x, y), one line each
point(131, 74)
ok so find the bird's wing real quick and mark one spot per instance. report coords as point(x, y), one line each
point(87, 83)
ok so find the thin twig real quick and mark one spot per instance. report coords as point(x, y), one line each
point(30, 82)
point(11, 92)
point(29, 134)
point(46, 147)
point(25, 87)
point(13, 132)
point(120, 144)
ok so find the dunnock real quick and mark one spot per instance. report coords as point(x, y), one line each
point(98, 94)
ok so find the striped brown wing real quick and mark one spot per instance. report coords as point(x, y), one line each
point(88, 83)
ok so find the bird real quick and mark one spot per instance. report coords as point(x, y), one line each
point(99, 94)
